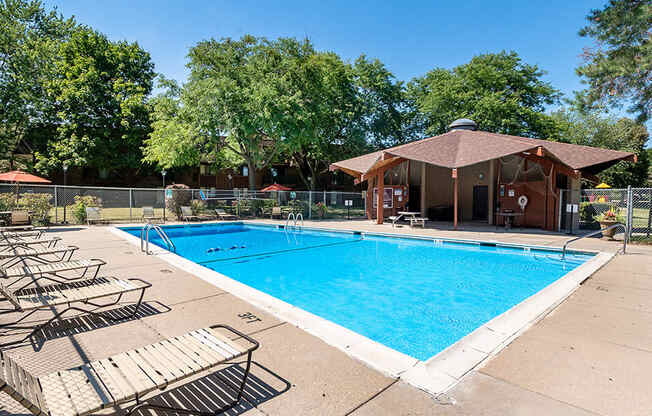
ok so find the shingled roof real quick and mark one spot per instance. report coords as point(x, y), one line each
point(460, 148)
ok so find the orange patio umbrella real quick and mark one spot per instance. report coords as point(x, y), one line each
point(18, 176)
point(275, 187)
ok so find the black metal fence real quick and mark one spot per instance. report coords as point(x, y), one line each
point(61, 204)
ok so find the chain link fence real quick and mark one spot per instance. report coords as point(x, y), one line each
point(585, 209)
point(65, 204)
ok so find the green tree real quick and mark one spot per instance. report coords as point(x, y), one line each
point(98, 92)
point(176, 139)
point(619, 68)
point(388, 116)
point(322, 122)
point(28, 45)
point(594, 129)
point(232, 95)
point(498, 91)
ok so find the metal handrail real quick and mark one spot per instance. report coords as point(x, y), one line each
point(563, 250)
point(164, 236)
point(296, 220)
point(161, 233)
point(287, 220)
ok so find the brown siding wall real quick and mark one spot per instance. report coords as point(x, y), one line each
point(439, 186)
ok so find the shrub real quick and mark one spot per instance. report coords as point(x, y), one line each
point(297, 206)
point(79, 207)
point(7, 202)
point(611, 215)
point(38, 205)
point(258, 206)
point(198, 206)
point(180, 196)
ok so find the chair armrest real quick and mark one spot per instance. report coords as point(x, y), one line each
point(240, 334)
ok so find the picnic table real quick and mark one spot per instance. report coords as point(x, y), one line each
point(509, 218)
point(412, 217)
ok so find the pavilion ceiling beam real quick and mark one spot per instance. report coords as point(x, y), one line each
point(547, 163)
point(372, 173)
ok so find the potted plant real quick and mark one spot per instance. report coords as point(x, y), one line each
point(607, 219)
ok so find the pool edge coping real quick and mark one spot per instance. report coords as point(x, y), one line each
point(439, 373)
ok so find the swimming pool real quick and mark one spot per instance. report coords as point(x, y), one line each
point(416, 296)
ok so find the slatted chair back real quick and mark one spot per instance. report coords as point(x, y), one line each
point(22, 386)
point(19, 217)
point(9, 294)
point(186, 211)
point(93, 214)
point(128, 376)
point(148, 212)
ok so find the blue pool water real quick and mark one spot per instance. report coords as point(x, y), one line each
point(415, 296)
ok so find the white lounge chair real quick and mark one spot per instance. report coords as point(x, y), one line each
point(187, 215)
point(10, 243)
point(276, 212)
point(150, 216)
point(81, 293)
point(19, 218)
point(32, 273)
point(223, 215)
point(38, 255)
point(21, 235)
point(128, 377)
point(94, 215)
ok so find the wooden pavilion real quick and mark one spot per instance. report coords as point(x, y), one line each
point(471, 175)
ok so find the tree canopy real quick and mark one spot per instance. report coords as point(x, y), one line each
point(595, 129)
point(70, 95)
point(98, 95)
point(258, 100)
point(497, 90)
point(618, 69)
point(28, 45)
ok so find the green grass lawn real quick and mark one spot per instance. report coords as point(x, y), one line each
point(112, 214)
point(136, 214)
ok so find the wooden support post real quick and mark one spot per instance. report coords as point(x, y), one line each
point(454, 174)
point(370, 199)
point(381, 192)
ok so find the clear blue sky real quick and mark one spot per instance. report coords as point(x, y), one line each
point(410, 37)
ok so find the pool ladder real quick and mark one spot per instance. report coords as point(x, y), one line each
point(295, 220)
point(161, 233)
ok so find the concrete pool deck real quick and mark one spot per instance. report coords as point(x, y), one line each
point(591, 355)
